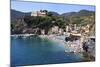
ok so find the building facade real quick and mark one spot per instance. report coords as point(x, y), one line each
point(38, 13)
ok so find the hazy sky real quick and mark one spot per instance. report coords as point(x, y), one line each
point(60, 8)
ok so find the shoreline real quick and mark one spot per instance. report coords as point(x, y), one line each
point(75, 46)
point(22, 34)
point(56, 38)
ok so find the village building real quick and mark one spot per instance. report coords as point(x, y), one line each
point(55, 30)
point(67, 28)
point(43, 32)
point(87, 29)
point(61, 31)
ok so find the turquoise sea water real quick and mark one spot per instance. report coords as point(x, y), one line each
point(35, 51)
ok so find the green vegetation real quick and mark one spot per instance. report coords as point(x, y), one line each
point(47, 22)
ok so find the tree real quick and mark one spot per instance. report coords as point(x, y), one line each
point(29, 20)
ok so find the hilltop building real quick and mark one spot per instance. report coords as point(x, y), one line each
point(38, 13)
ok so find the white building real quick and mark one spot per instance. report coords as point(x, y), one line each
point(42, 32)
point(55, 29)
point(38, 13)
point(67, 28)
point(61, 31)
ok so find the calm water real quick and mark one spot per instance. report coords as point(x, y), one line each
point(34, 51)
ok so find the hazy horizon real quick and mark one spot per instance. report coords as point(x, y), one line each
point(26, 6)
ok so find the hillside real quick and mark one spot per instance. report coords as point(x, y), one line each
point(78, 14)
point(17, 14)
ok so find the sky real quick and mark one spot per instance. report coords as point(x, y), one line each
point(25, 6)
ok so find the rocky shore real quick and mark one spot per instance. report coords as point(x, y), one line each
point(87, 47)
